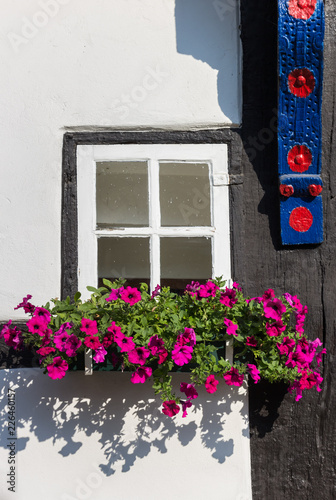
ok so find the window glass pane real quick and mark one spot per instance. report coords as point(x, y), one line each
point(124, 258)
point(122, 194)
point(184, 260)
point(185, 194)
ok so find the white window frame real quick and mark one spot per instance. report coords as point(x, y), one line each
point(216, 155)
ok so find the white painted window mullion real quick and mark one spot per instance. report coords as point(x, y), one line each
point(154, 221)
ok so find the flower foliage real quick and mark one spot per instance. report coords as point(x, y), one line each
point(152, 335)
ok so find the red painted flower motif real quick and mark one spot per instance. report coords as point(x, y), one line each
point(301, 82)
point(301, 219)
point(315, 189)
point(286, 190)
point(301, 9)
point(299, 158)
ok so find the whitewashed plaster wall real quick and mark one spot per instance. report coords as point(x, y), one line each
point(69, 65)
point(102, 438)
point(87, 65)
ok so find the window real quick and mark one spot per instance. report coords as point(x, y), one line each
point(154, 213)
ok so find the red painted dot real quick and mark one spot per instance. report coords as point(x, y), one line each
point(299, 158)
point(301, 219)
point(301, 9)
point(286, 190)
point(301, 82)
point(315, 189)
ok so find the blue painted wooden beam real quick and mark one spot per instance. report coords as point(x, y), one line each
point(301, 34)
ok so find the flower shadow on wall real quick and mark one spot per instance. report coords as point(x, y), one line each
point(127, 424)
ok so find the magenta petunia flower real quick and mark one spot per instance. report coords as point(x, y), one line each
point(58, 368)
point(131, 295)
point(115, 294)
point(211, 384)
point(233, 377)
point(297, 358)
point(100, 354)
point(237, 286)
point(192, 288)
point(141, 375)
point(286, 346)
point(268, 295)
point(64, 327)
point(274, 309)
point(275, 329)
point(60, 341)
point(231, 328)
point(42, 313)
point(189, 390)
point(138, 355)
point(185, 405)
point(228, 298)
point(170, 408)
point(155, 344)
point(254, 372)
point(126, 344)
point(12, 336)
point(89, 326)
point(92, 342)
point(72, 344)
point(114, 329)
point(163, 354)
point(27, 306)
point(156, 291)
point(37, 325)
point(107, 340)
point(251, 341)
point(319, 356)
point(182, 354)
point(44, 351)
point(188, 337)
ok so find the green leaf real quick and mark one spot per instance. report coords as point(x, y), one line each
point(77, 296)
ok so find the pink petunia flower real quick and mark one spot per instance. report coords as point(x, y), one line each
point(231, 328)
point(100, 354)
point(233, 377)
point(188, 337)
point(268, 295)
point(163, 354)
point(115, 294)
point(138, 355)
point(297, 358)
point(254, 372)
point(228, 298)
point(92, 342)
point(27, 306)
point(58, 368)
point(89, 326)
point(42, 313)
point(275, 329)
point(182, 354)
point(251, 341)
point(37, 325)
point(286, 346)
point(211, 384)
point(71, 345)
point(189, 390)
point(131, 295)
point(192, 288)
point(44, 351)
point(170, 408)
point(237, 286)
point(155, 344)
point(185, 405)
point(141, 375)
point(319, 356)
point(60, 341)
point(156, 291)
point(126, 344)
point(12, 336)
point(274, 309)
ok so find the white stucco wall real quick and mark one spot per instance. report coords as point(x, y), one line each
point(86, 65)
point(102, 438)
point(73, 65)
